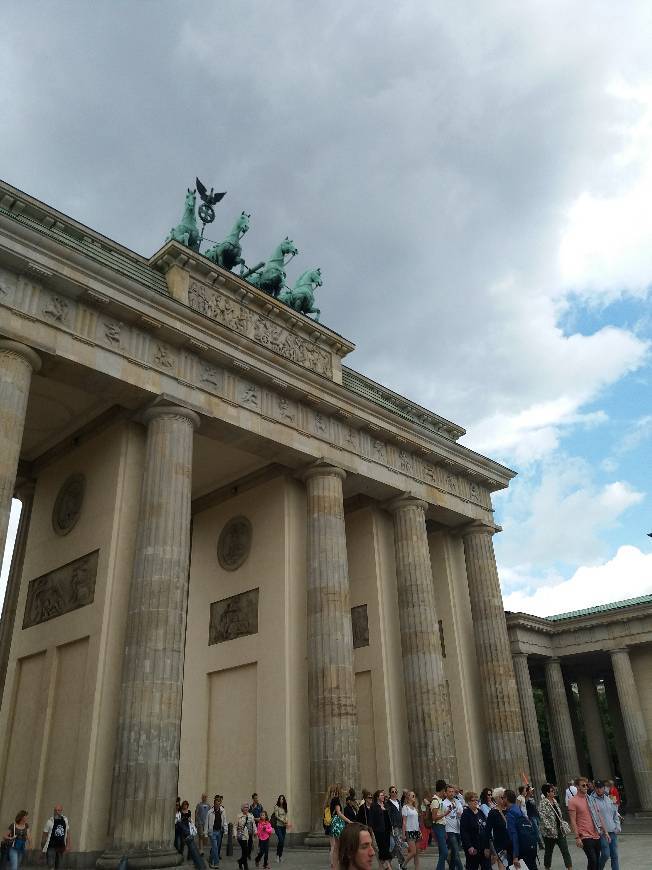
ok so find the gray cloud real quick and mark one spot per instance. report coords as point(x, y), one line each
point(423, 156)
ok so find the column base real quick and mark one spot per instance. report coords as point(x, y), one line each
point(139, 859)
point(316, 841)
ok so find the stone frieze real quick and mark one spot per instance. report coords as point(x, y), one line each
point(233, 617)
point(61, 591)
point(260, 329)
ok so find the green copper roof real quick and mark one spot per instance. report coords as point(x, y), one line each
point(602, 608)
point(134, 267)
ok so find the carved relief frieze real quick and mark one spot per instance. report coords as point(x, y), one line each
point(61, 591)
point(56, 308)
point(233, 617)
point(162, 356)
point(260, 329)
point(112, 331)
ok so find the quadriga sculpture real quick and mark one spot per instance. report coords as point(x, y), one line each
point(272, 276)
point(302, 296)
point(228, 253)
point(186, 230)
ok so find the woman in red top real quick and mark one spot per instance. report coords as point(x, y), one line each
point(264, 830)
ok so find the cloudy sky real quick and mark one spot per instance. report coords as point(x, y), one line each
point(473, 178)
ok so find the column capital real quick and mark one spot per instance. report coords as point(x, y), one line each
point(619, 649)
point(23, 350)
point(171, 411)
point(553, 660)
point(519, 655)
point(406, 500)
point(25, 490)
point(322, 469)
point(477, 527)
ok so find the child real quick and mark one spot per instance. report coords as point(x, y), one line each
point(264, 830)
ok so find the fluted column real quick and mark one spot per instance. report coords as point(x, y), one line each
point(146, 763)
point(432, 745)
point(502, 712)
point(331, 683)
point(530, 722)
point(25, 494)
point(638, 741)
point(561, 727)
point(595, 738)
point(17, 363)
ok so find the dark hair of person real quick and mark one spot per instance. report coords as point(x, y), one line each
point(440, 785)
point(351, 795)
point(546, 788)
point(21, 815)
point(348, 844)
point(521, 789)
point(377, 793)
point(281, 802)
point(484, 795)
point(510, 795)
point(366, 794)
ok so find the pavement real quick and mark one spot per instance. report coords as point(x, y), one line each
point(635, 852)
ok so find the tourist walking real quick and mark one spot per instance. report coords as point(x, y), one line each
point(411, 829)
point(382, 829)
point(280, 825)
point(363, 816)
point(438, 817)
point(533, 813)
point(255, 808)
point(178, 836)
point(553, 827)
point(474, 834)
point(244, 834)
point(454, 808)
point(586, 824)
point(54, 839)
point(187, 833)
point(607, 810)
point(355, 848)
point(17, 838)
point(217, 826)
point(351, 808)
point(264, 831)
point(521, 832)
point(201, 815)
point(394, 808)
point(497, 827)
point(334, 820)
point(487, 801)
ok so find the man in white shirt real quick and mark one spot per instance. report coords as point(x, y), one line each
point(454, 808)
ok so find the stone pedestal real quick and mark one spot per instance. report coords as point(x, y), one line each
point(17, 362)
point(334, 750)
point(638, 741)
point(502, 711)
point(146, 763)
point(331, 684)
point(26, 496)
point(537, 770)
point(561, 727)
point(595, 739)
point(432, 745)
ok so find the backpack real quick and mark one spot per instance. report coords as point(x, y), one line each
point(327, 819)
point(527, 836)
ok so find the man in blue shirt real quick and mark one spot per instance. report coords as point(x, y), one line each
point(521, 833)
point(602, 802)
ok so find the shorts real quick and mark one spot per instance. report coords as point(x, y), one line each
point(413, 835)
point(201, 829)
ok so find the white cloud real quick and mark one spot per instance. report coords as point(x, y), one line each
point(561, 518)
point(627, 575)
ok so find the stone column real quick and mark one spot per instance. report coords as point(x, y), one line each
point(26, 495)
point(624, 766)
point(595, 738)
point(502, 711)
point(17, 362)
point(146, 764)
point(561, 727)
point(331, 683)
point(638, 742)
point(537, 769)
point(430, 727)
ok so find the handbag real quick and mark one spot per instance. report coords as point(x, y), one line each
point(565, 827)
point(337, 826)
point(273, 820)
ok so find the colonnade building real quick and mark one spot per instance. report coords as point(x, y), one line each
point(592, 669)
point(240, 565)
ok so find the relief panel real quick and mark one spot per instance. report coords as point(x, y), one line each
point(61, 591)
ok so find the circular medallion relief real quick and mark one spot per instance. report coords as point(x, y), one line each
point(234, 543)
point(68, 505)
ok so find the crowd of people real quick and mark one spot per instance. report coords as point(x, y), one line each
point(251, 824)
point(499, 827)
